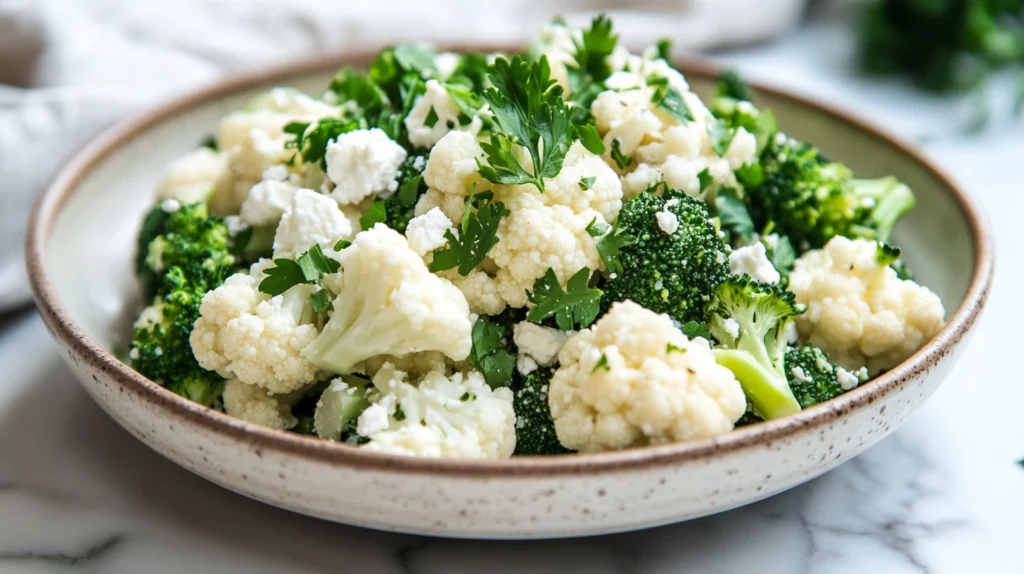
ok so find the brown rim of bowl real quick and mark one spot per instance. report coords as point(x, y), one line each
point(66, 180)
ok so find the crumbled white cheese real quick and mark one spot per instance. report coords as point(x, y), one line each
point(362, 163)
point(446, 63)
point(338, 385)
point(800, 375)
point(267, 201)
point(426, 232)
point(419, 163)
point(235, 225)
point(525, 365)
point(539, 343)
point(846, 379)
point(275, 173)
point(667, 221)
point(133, 354)
point(822, 364)
point(672, 202)
point(437, 105)
point(376, 416)
point(732, 327)
point(753, 260)
point(170, 205)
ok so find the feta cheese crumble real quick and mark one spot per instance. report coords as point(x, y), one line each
point(753, 260)
point(667, 221)
point(800, 375)
point(362, 163)
point(426, 232)
point(732, 327)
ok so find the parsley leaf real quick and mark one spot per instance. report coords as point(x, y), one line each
point(622, 160)
point(610, 246)
point(664, 47)
point(781, 254)
point(732, 212)
point(601, 364)
point(310, 267)
point(587, 182)
point(283, 276)
point(311, 139)
point(579, 304)
point(670, 100)
point(374, 215)
point(489, 354)
point(705, 178)
point(693, 329)
point(529, 109)
point(593, 48)
point(597, 228)
point(320, 301)
point(351, 86)
point(478, 234)
point(721, 136)
point(342, 244)
point(588, 136)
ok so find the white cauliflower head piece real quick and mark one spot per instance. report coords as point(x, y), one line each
point(190, 178)
point(456, 417)
point(390, 304)
point(634, 379)
point(858, 311)
point(254, 404)
point(245, 334)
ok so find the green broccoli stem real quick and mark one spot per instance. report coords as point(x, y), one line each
point(892, 200)
point(768, 391)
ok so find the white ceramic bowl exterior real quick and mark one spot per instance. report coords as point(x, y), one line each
point(80, 253)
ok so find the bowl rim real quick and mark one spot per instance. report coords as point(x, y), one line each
point(61, 325)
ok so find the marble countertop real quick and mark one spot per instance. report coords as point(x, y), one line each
point(943, 494)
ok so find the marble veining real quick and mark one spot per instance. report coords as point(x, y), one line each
point(941, 495)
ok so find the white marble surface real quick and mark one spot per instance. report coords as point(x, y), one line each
point(943, 494)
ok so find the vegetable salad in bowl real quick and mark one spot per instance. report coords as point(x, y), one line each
point(486, 255)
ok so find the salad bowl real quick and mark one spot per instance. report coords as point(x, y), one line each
point(79, 252)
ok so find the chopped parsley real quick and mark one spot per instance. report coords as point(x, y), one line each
point(578, 304)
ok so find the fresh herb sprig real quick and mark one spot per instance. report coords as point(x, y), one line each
point(579, 304)
point(478, 233)
point(308, 268)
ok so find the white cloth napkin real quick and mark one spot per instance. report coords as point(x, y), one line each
point(68, 68)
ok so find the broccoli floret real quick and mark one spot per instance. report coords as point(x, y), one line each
point(400, 207)
point(667, 273)
point(801, 194)
point(186, 237)
point(535, 429)
point(187, 254)
point(811, 376)
point(748, 319)
point(160, 348)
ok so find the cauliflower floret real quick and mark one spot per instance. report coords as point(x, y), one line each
point(557, 42)
point(245, 334)
point(270, 113)
point(540, 344)
point(536, 237)
point(255, 405)
point(390, 304)
point(604, 195)
point(456, 417)
point(190, 178)
point(663, 149)
point(426, 232)
point(311, 219)
point(437, 101)
point(450, 174)
point(858, 311)
point(480, 289)
point(634, 379)
point(253, 140)
point(362, 163)
point(753, 260)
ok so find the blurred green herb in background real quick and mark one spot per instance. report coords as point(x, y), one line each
point(945, 45)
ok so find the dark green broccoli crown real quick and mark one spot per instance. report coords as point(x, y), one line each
point(188, 238)
point(188, 253)
point(673, 274)
point(400, 207)
point(812, 377)
point(535, 430)
point(810, 199)
point(162, 351)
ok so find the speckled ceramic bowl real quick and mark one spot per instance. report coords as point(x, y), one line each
point(79, 251)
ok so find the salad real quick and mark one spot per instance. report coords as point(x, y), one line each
point(486, 255)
